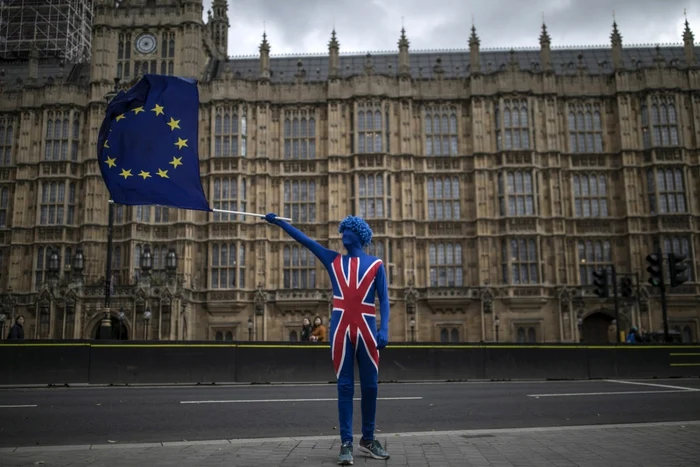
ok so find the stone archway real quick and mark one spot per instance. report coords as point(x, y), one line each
point(96, 322)
point(595, 328)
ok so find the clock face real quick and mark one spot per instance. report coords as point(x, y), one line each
point(146, 43)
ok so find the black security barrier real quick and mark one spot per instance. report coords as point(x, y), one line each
point(44, 362)
point(503, 362)
point(162, 362)
point(34, 362)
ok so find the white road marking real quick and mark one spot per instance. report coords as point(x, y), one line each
point(651, 384)
point(606, 393)
point(331, 399)
point(16, 406)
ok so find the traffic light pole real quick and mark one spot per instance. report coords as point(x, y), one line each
point(664, 307)
point(617, 304)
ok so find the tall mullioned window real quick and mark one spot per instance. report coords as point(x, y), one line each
point(441, 131)
point(520, 261)
point(585, 128)
point(299, 135)
point(666, 188)
point(167, 53)
point(374, 196)
point(230, 131)
point(660, 125)
point(227, 266)
point(517, 192)
point(7, 138)
point(512, 124)
point(57, 203)
point(124, 47)
point(230, 195)
point(300, 200)
point(593, 255)
point(446, 268)
point(4, 205)
point(369, 128)
point(443, 198)
point(62, 135)
point(590, 195)
point(299, 268)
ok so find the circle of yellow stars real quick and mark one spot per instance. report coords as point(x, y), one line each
point(177, 161)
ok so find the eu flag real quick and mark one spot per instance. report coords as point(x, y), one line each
point(147, 145)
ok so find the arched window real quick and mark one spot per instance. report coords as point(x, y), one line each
point(293, 336)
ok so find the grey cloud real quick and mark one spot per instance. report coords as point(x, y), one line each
point(302, 26)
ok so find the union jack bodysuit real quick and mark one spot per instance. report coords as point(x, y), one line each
point(355, 278)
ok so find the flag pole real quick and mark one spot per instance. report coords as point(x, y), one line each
point(242, 213)
point(106, 325)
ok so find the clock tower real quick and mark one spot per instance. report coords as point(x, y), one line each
point(135, 37)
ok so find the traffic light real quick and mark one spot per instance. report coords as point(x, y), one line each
point(601, 283)
point(677, 268)
point(654, 269)
point(626, 287)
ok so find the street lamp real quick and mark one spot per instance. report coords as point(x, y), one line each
point(250, 329)
point(412, 323)
point(579, 322)
point(147, 318)
point(122, 315)
point(171, 261)
point(146, 259)
point(78, 264)
point(497, 322)
point(2, 324)
point(54, 266)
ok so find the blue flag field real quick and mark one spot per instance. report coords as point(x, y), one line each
point(147, 145)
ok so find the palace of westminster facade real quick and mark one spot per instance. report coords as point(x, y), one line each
point(495, 183)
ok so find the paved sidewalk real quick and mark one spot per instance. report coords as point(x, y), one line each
point(631, 445)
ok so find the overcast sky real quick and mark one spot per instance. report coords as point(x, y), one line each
point(304, 26)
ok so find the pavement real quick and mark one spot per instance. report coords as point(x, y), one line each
point(674, 444)
point(565, 423)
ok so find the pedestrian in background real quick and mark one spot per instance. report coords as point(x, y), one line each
point(318, 334)
point(17, 329)
point(306, 330)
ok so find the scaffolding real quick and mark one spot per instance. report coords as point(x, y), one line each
point(57, 28)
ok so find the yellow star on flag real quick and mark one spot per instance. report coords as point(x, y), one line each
point(120, 117)
point(174, 124)
point(145, 175)
point(158, 110)
point(163, 173)
point(126, 174)
point(137, 110)
point(175, 162)
point(181, 143)
point(111, 162)
point(106, 144)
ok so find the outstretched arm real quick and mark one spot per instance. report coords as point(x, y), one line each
point(383, 294)
point(322, 253)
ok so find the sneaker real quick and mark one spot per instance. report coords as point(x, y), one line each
point(345, 456)
point(373, 448)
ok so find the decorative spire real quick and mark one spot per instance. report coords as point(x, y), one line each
point(544, 35)
point(615, 37)
point(333, 44)
point(474, 40)
point(688, 36)
point(264, 45)
point(689, 44)
point(403, 40)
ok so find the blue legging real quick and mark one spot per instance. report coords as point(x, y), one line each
point(346, 390)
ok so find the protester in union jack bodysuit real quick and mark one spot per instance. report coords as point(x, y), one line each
point(355, 278)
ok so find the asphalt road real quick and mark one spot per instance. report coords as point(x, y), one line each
point(72, 416)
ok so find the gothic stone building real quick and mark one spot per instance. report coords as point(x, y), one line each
point(496, 182)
